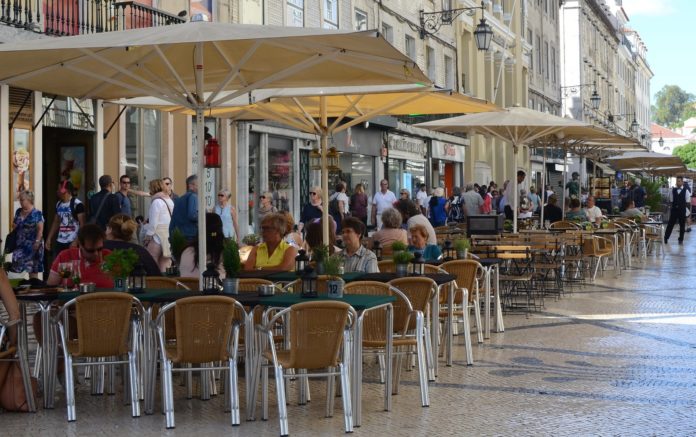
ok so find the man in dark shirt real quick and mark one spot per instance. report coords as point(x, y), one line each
point(552, 213)
point(104, 204)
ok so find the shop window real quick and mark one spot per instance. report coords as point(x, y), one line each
point(143, 155)
point(407, 174)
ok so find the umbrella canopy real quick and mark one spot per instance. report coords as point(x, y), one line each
point(181, 63)
point(309, 110)
point(516, 125)
point(646, 161)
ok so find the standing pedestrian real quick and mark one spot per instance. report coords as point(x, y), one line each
point(28, 225)
point(228, 214)
point(313, 209)
point(69, 218)
point(104, 204)
point(156, 239)
point(382, 200)
point(640, 195)
point(677, 213)
point(338, 205)
point(265, 205)
point(508, 197)
point(124, 183)
point(422, 199)
point(358, 204)
point(169, 188)
point(437, 208)
point(185, 212)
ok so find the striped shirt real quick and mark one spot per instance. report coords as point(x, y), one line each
point(363, 260)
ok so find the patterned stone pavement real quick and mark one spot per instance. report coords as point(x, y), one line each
point(616, 358)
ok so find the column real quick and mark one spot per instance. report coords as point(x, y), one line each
point(241, 132)
point(37, 147)
point(99, 133)
point(5, 173)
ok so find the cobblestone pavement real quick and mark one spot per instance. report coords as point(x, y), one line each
point(614, 358)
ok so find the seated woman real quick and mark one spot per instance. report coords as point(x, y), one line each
point(119, 234)
point(391, 228)
point(214, 240)
point(273, 253)
point(552, 213)
point(419, 239)
point(575, 213)
point(314, 236)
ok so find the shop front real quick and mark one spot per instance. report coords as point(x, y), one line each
point(447, 164)
point(406, 163)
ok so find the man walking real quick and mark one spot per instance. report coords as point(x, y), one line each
point(104, 204)
point(422, 199)
point(69, 218)
point(122, 195)
point(677, 211)
point(509, 198)
point(382, 200)
point(639, 194)
point(185, 213)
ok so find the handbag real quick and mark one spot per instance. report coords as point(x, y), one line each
point(13, 397)
point(11, 241)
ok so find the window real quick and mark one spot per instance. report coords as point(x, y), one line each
point(538, 53)
point(295, 10)
point(411, 47)
point(143, 127)
point(430, 63)
point(449, 73)
point(530, 40)
point(360, 20)
point(546, 59)
point(553, 64)
point(388, 32)
point(330, 14)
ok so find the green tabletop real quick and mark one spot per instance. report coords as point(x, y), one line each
point(358, 301)
point(154, 295)
point(291, 276)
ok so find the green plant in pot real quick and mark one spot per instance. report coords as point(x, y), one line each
point(462, 246)
point(120, 263)
point(177, 243)
point(398, 246)
point(251, 240)
point(232, 265)
point(333, 267)
point(319, 255)
point(401, 260)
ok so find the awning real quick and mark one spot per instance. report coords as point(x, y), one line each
point(605, 168)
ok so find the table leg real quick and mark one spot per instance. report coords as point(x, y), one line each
point(499, 324)
point(434, 330)
point(356, 382)
point(48, 354)
point(249, 363)
point(389, 358)
point(450, 323)
point(487, 305)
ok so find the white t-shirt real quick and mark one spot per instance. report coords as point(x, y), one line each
point(342, 197)
point(68, 224)
point(422, 198)
point(383, 201)
point(593, 213)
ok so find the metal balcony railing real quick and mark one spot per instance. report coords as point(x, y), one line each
point(78, 17)
point(67, 119)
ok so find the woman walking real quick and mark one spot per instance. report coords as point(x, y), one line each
point(358, 204)
point(28, 225)
point(228, 215)
point(157, 229)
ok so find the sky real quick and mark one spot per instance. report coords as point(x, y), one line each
point(668, 28)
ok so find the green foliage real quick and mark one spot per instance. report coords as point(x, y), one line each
point(320, 253)
point(332, 265)
point(402, 257)
point(672, 106)
point(230, 258)
point(251, 240)
point(398, 246)
point(462, 244)
point(177, 243)
point(654, 200)
point(120, 262)
point(687, 153)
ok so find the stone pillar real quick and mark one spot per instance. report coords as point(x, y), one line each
point(37, 159)
point(5, 173)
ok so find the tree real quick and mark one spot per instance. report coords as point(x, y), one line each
point(672, 106)
point(687, 153)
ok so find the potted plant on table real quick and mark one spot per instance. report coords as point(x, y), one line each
point(319, 255)
point(401, 260)
point(120, 263)
point(462, 246)
point(232, 264)
point(333, 267)
point(251, 240)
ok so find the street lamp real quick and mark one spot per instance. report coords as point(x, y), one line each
point(611, 118)
point(661, 141)
point(430, 23)
point(595, 99)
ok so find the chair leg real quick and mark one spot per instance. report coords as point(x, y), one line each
point(477, 315)
point(347, 405)
point(467, 337)
point(422, 366)
point(169, 394)
point(233, 393)
point(330, 392)
point(26, 380)
point(380, 359)
point(282, 406)
point(430, 359)
point(37, 362)
point(133, 383)
point(69, 388)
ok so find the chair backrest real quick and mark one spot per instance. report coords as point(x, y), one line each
point(374, 321)
point(192, 284)
point(386, 266)
point(159, 282)
point(103, 323)
point(296, 285)
point(203, 328)
point(466, 271)
point(250, 285)
point(316, 333)
point(564, 224)
point(419, 291)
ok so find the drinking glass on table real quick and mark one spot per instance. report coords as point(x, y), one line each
point(65, 272)
point(76, 274)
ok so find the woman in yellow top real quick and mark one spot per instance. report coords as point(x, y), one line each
point(273, 253)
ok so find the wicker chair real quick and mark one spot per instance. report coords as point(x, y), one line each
point(373, 323)
point(207, 332)
point(419, 291)
point(192, 284)
point(104, 323)
point(316, 334)
point(163, 282)
point(466, 297)
point(386, 266)
point(564, 225)
point(16, 352)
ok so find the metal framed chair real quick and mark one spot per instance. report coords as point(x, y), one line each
point(316, 333)
point(386, 266)
point(207, 332)
point(14, 351)
point(192, 284)
point(108, 328)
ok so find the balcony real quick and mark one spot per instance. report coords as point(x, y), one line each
point(79, 17)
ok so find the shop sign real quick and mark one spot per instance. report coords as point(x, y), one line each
point(411, 146)
point(447, 151)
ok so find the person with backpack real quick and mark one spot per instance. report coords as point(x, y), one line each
point(69, 218)
point(104, 204)
point(185, 212)
point(338, 205)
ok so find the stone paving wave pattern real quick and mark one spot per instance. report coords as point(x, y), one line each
point(615, 358)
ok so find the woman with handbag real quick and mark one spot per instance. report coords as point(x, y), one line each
point(28, 226)
point(157, 229)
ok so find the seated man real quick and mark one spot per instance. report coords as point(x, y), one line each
point(552, 213)
point(631, 211)
point(357, 257)
point(89, 255)
point(593, 213)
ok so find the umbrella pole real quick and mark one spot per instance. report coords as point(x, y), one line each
point(517, 190)
point(200, 139)
point(542, 191)
point(565, 176)
point(324, 172)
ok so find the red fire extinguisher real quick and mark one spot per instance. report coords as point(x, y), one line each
point(212, 154)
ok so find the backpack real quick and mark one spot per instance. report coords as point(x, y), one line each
point(334, 206)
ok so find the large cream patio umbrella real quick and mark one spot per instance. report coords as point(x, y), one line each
point(516, 125)
point(192, 64)
point(310, 109)
point(649, 162)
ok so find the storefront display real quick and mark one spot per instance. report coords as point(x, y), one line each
point(447, 165)
point(407, 162)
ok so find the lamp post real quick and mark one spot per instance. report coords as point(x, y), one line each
point(431, 22)
point(633, 127)
point(595, 98)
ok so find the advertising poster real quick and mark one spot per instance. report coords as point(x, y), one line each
point(72, 168)
point(21, 162)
